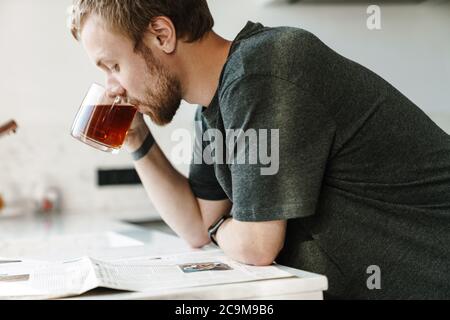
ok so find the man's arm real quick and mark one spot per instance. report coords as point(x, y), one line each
point(171, 193)
point(172, 196)
point(254, 243)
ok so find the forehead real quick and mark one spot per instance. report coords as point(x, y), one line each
point(100, 42)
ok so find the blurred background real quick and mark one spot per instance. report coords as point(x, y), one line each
point(45, 75)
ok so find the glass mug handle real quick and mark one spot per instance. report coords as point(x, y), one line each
point(102, 121)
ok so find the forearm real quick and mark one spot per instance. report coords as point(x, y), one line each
point(172, 197)
point(253, 243)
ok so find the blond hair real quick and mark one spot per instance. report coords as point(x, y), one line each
point(191, 18)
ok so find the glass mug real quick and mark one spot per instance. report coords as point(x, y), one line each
point(103, 122)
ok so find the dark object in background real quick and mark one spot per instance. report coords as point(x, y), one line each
point(118, 177)
point(9, 127)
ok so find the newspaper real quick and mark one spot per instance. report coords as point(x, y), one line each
point(49, 280)
point(58, 248)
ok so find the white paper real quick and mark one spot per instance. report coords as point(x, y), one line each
point(166, 272)
point(60, 248)
point(36, 279)
point(69, 278)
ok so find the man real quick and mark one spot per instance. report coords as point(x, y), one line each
point(362, 190)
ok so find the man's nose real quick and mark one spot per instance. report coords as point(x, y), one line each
point(114, 89)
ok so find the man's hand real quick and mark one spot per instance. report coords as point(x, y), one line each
point(137, 133)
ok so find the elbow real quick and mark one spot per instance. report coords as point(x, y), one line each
point(257, 244)
point(260, 257)
point(199, 242)
point(198, 245)
point(261, 260)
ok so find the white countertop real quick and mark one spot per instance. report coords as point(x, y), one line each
point(42, 238)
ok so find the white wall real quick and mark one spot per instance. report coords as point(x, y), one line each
point(45, 74)
point(412, 50)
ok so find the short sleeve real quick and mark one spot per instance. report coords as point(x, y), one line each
point(299, 136)
point(202, 177)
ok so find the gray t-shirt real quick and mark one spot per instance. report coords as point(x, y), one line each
point(363, 177)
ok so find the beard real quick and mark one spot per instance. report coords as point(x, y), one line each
point(161, 103)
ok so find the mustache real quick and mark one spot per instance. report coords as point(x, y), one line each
point(142, 107)
point(132, 101)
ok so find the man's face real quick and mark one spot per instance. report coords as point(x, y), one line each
point(139, 76)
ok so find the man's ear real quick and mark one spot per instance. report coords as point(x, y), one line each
point(164, 34)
